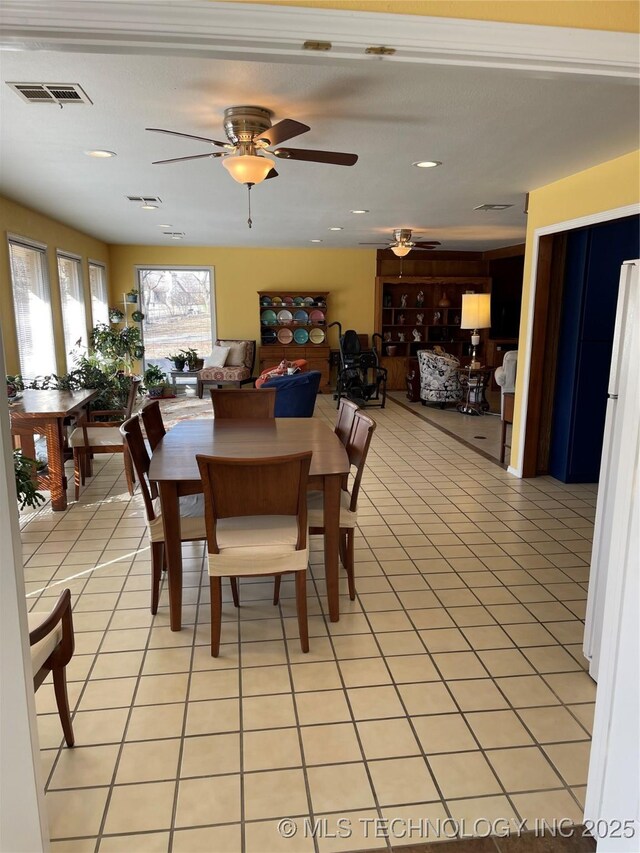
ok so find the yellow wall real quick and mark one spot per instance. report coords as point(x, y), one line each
point(349, 275)
point(616, 15)
point(23, 222)
point(605, 187)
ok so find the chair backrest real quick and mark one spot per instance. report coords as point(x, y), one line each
point(153, 423)
point(131, 399)
point(344, 422)
point(243, 402)
point(357, 448)
point(249, 350)
point(244, 487)
point(295, 395)
point(132, 435)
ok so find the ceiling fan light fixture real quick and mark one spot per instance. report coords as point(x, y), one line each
point(248, 168)
point(402, 250)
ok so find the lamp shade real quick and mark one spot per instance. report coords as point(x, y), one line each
point(401, 250)
point(476, 311)
point(248, 168)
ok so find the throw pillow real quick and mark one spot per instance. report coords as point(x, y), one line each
point(218, 357)
point(237, 351)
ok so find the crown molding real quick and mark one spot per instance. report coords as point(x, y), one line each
point(269, 33)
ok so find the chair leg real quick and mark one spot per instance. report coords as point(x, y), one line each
point(62, 701)
point(78, 472)
point(234, 592)
point(128, 471)
point(199, 388)
point(215, 588)
point(349, 565)
point(157, 562)
point(301, 607)
point(276, 588)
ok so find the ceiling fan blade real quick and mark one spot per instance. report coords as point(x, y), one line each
point(337, 158)
point(374, 244)
point(188, 136)
point(427, 244)
point(272, 174)
point(193, 157)
point(285, 129)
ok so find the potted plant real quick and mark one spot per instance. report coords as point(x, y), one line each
point(26, 486)
point(115, 315)
point(193, 362)
point(154, 381)
point(137, 316)
point(179, 360)
point(132, 296)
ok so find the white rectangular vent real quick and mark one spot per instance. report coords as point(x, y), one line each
point(51, 93)
point(145, 199)
point(175, 235)
point(493, 207)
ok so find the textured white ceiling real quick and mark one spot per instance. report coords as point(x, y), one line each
point(499, 134)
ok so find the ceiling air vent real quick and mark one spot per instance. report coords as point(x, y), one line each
point(486, 207)
point(175, 235)
point(145, 199)
point(51, 93)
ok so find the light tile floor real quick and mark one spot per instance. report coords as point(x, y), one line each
point(454, 686)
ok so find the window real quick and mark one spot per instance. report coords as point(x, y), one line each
point(32, 305)
point(179, 312)
point(74, 318)
point(99, 294)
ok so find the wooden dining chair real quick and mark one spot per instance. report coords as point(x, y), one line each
point(153, 423)
point(192, 527)
point(256, 520)
point(357, 448)
point(344, 422)
point(243, 403)
point(52, 644)
point(91, 436)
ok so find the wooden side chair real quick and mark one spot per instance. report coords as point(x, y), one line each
point(357, 448)
point(243, 403)
point(256, 519)
point(91, 436)
point(153, 423)
point(192, 525)
point(52, 644)
point(344, 422)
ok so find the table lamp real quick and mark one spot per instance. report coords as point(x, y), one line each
point(476, 314)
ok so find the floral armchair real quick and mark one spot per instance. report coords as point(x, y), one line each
point(238, 368)
point(439, 382)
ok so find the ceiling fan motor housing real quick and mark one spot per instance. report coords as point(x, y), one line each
point(244, 124)
point(402, 235)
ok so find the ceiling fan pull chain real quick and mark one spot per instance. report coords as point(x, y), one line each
point(249, 220)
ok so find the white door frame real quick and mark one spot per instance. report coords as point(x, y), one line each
point(524, 359)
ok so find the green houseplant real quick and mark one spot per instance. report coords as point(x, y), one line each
point(26, 487)
point(179, 360)
point(132, 296)
point(115, 315)
point(193, 361)
point(154, 381)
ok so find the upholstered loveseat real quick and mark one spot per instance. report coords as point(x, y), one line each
point(439, 382)
point(237, 370)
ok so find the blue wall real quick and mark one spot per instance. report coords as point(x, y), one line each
point(590, 291)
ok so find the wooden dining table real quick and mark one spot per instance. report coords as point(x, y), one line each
point(175, 470)
point(44, 413)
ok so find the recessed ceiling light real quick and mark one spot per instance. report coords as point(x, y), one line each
point(164, 226)
point(148, 206)
point(336, 228)
point(100, 154)
point(359, 211)
point(315, 241)
point(427, 164)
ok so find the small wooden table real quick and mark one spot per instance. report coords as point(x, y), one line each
point(182, 374)
point(175, 470)
point(474, 381)
point(507, 418)
point(44, 413)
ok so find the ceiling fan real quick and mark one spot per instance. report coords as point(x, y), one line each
point(251, 136)
point(402, 243)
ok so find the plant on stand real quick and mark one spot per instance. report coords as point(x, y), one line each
point(193, 361)
point(179, 360)
point(154, 381)
point(132, 296)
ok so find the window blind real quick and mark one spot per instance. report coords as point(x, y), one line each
point(74, 318)
point(32, 306)
point(99, 295)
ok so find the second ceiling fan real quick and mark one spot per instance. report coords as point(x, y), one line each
point(402, 244)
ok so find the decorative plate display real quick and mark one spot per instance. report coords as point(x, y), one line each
point(319, 301)
point(265, 301)
point(316, 316)
point(276, 300)
point(298, 300)
point(287, 300)
point(301, 336)
point(316, 336)
point(308, 300)
point(268, 318)
point(285, 336)
point(301, 317)
point(284, 316)
point(269, 336)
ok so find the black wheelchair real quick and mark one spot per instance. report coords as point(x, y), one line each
point(361, 378)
